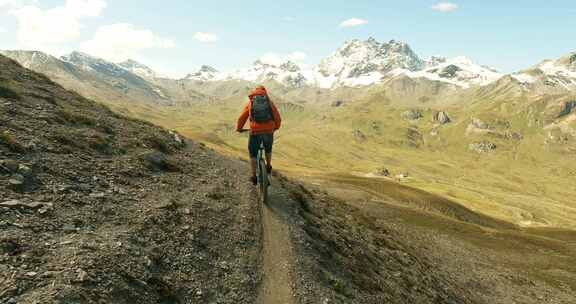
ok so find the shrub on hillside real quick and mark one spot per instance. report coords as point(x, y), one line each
point(10, 141)
point(9, 93)
point(76, 118)
point(85, 139)
point(157, 143)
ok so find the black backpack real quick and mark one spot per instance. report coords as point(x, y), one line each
point(261, 111)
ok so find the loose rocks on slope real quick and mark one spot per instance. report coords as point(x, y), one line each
point(99, 208)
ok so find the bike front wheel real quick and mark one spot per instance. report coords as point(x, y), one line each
point(264, 182)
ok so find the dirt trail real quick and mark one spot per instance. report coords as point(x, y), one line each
point(277, 251)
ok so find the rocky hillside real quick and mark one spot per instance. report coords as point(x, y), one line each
point(98, 208)
point(550, 76)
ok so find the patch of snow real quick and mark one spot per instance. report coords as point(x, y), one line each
point(524, 78)
point(160, 93)
point(138, 69)
point(551, 67)
point(460, 71)
point(363, 80)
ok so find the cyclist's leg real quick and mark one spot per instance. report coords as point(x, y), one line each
point(253, 146)
point(268, 140)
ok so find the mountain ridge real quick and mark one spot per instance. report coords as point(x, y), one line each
point(355, 69)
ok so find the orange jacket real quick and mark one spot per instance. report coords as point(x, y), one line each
point(259, 128)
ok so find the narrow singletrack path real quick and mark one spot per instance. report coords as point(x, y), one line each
point(277, 252)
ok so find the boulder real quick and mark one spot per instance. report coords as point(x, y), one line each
point(179, 141)
point(9, 166)
point(479, 124)
point(359, 136)
point(567, 108)
point(411, 115)
point(403, 176)
point(158, 161)
point(442, 117)
point(482, 147)
point(23, 180)
point(383, 172)
point(337, 103)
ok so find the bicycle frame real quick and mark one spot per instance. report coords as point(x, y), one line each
point(262, 174)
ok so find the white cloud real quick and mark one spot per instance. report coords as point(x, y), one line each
point(121, 41)
point(353, 22)
point(2, 30)
point(46, 29)
point(10, 4)
point(206, 37)
point(445, 7)
point(277, 59)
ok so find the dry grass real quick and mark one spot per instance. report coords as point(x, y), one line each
point(11, 142)
point(75, 118)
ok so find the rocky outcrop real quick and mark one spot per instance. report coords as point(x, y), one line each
point(442, 117)
point(412, 115)
point(478, 126)
point(568, 108)
point(482, 147)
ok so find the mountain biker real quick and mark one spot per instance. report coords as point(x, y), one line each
point(264, 121)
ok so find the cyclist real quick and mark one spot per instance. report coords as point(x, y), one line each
point(264, 121)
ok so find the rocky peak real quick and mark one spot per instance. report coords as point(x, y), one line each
point(368, 59)
point(29, 59)
point(138, 68)
point(435, 61)
point(207, 69)
point(260, 65)
point(568, 61)
point(91, 63)
point(205, 73)
point(290, 66)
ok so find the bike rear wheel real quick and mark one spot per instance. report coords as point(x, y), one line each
point(263, 180)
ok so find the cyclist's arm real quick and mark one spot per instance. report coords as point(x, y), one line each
point(243, 118)
point(277, 118)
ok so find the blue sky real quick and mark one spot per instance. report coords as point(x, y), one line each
point(508, 35)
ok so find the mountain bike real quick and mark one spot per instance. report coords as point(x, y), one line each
point(261, 173)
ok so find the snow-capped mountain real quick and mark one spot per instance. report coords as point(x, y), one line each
point(360, 63)
point(138, 69)
point(559, 73)
point(94, 64)
point(205, 73)
point(287, 73)
point(459, 71)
